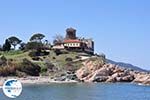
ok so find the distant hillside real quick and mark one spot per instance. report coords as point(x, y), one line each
point(126, 65)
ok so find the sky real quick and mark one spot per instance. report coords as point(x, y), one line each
point(120, 28)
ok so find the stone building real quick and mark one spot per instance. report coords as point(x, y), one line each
point(70, 33)
point(73, 43)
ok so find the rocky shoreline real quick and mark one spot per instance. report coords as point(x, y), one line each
point(91, 71)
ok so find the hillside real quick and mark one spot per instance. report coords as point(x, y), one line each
point(66, 66)
point(13, 62)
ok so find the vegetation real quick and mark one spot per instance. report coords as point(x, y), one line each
point(37, 37)
point(58, 39)
point(36, 58)
point(33, 45)
point(6, 46)
point(22, 46)
point(29, 68)
point(14, 41)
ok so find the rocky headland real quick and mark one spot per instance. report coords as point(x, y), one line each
point(68, 68)
point(95, 71)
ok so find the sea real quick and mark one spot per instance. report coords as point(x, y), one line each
point(83, 91)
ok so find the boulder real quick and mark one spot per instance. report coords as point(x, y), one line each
point(100, 79)
point(128, 78)
point(111, 79)
point(94, 71)
point(142, 78)
point(82, 73)
point(103, 72)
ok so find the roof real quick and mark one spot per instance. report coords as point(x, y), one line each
point(70, 29)
point(72, 41)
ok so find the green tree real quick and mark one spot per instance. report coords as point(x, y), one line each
point(37, 37)
point(14, 41)
point(1, 48)
point(22, 46)
point(33, 45)
point(7, 45)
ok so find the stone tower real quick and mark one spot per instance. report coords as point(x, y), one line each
point(70, 33)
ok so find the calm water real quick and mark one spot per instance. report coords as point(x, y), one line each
point(99, 91)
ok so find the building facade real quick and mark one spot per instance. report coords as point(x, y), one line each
point(72, 43)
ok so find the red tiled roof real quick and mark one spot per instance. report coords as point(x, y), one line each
point(72, 41)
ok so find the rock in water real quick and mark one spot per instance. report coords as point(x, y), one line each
point(142, 78)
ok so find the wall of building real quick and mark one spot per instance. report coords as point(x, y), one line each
point(72, 44)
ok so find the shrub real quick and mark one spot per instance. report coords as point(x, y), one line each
point(8, 71)
point(29, 68)
point(70, 67)
point(53, 58)
point(33, 45)
point(50, 66)
point(68, 59)
point(38, 52)
point(36, 58)
point(44, 69)
point(77, 57)
point(57, 52)
point(20, 74)
point(3, 60)
point(33, 53)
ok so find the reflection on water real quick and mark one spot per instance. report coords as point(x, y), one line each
point(83, 91)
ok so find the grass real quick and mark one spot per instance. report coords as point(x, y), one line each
point(59, 61)
point(15, 55)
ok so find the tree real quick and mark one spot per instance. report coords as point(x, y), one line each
point(1, 48)
point(37, 37)
point(14, 41)
point(58, 39)
point(7, 45)
point(22, 46)
point(33, 45)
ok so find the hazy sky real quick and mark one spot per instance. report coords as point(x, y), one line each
point(120, 28)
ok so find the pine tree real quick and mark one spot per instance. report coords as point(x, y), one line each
point(6, 46)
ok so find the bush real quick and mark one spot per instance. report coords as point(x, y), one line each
point(50, 66)
point(43, 53)
point(29, 68)
point(39, 52)
point(3, 60)
point(44, 69)
point(8, 71)
point(36, 58)
point(33, 53)
point(68, 59)
point(53, 58)
point(20, 74)
point(70, 67)
point(33, 45)
point(23, 68)
point(57, 52)
point(77, 57)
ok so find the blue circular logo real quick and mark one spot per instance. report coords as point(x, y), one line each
point(12, 88)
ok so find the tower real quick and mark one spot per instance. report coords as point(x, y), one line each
point(70, 33)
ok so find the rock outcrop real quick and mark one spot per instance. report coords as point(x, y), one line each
point(95, 71)
point(142, 78)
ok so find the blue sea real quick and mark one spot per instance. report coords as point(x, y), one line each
point(83, 91)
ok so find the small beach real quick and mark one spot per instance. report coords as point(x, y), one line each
point(35, 80)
